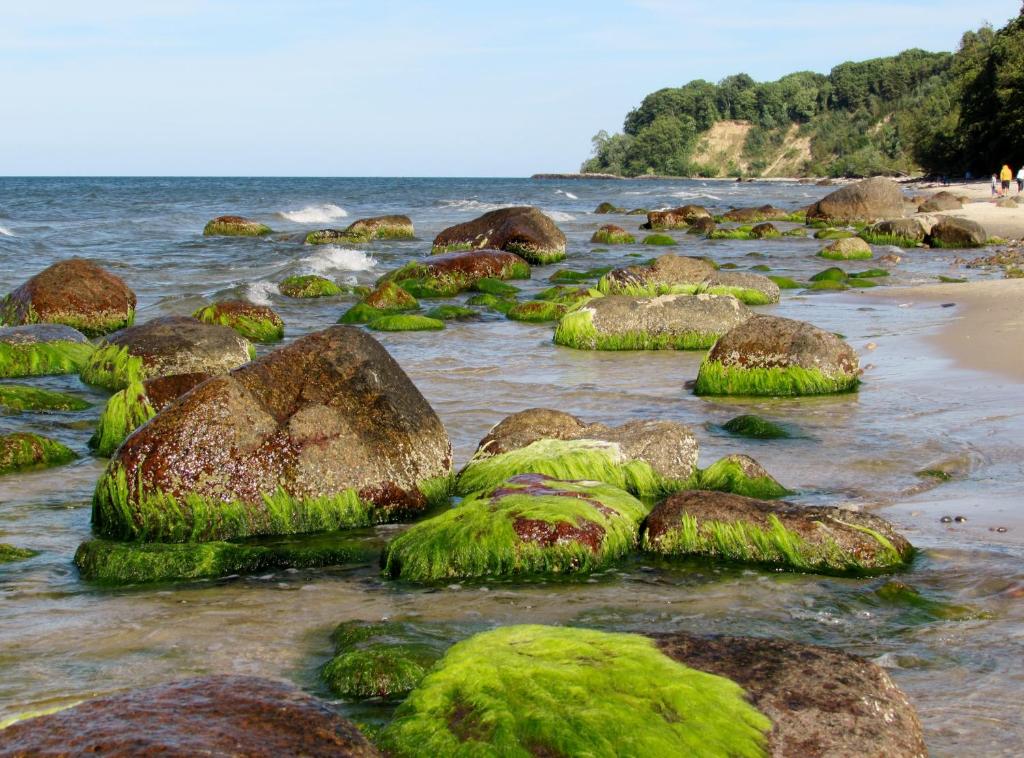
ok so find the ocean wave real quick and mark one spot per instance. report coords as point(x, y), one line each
point(567, 194)
point(259, 292)
point(315, 214)
point(559, 216)
point(470, 205)
point(332, 258)
point(689, 195)
point(5, 232)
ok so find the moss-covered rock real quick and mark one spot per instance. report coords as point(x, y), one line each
point(569, 276)
point(901, 232)
point(42, 349)
point(755, 427)
point(610, 234)
point(850, 248)
point(387, 299)
point(19, 397)
point(676, 218)
point(535, 690)
point(308, 285)
point(955, 232)
point(785, 283)
point(364, 230)
point(10, 553)
point(489, 285)
point(678, 275)
point(831, 274)
point(661, 240)
point(452, 313)
point(703, 226)
point(829, 233)
point(405, 322)
point(774, 533)
point(828, 284)
point(741, 475)
point(606, 207)
point(492, 302)
point(254, 322)
point(452, 273)
point(773, 356)
point(536, 311)
point(235, 226)
point(73, 292)
point(871, 273)
point(566, 295)
point(523, 230)
point(21, 450)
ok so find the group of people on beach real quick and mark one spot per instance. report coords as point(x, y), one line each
point(1001, 185)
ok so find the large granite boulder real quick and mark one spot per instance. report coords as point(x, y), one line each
point(941, 201)
point(451, 273)
point(325, 433)
point(952, 231)
point(165, 346)
point(41, 349)
point(523, 230)
point(773, 356)
point(866, 201)
point(75, 292)
point(730, 527)
point(666, 322)
point(821, 702)
point(215, 716)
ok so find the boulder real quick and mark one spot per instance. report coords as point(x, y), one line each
point(904, 232)
point(821, 702)
point(607, 207)
point(705, 225)
point(41, 349)
point(530, 524)
point(665, 322)
point(388, 299)
point(308, 285)
point(753, 215)
point(679, 275)
point(364, 230)
point(254, 322)
point(732, 527)
point(765, 231)
point(22, 450)
point(941, 201)
point(165, 346)
point(75, 292)
point(752, 289)
point(451, 273)
point(675, 218)
point(866, 201)
point(325, 433)
point(523, 230)
point(952, 231)
point(773, 356)
point(235, 226)
point(215, 715)
point(755, 427)
point(1007, 202)
point(850, 248)
point(610, 234)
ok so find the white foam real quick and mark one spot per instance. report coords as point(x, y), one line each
point(559, 216)
point(690, 195)
point(259, 292)
point(567, 194)
point(332, 258)
point(471, 205)
point(4, 231)
point(315, 214)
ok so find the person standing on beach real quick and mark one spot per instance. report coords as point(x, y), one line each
point(1005, 176)
point(995, 185)
point(1020, 180)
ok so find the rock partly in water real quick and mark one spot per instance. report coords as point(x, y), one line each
point(866, 201)
point(659, 240)
point(741, 475)
point(20, 451)
point(851, 248)
point(676, 218)
point(523, 230)
point(755, 427)
point(74, 292)
point(607, 207)
point(163, 347)
point(42, 349)
point(732, 527)
point(902, 232)
point(679, 275)
point(254, 322)
point(666, 322)
point(773, 356)
point(365, 229)
point(955, 232)
point(451, 273)
point(21, 397)
point(388, 299)
point(610, 234)
point(217, 715)
point(536, 311)
point(235, 226)
point(405, 322)
point(308, 285)
point(10, 553)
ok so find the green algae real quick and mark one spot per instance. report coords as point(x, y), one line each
point(416, 278)
point(659, 239)
point(797, 232)
point(827, 284)
point(451, 313)
point(861, 283)
point(791, 381)
point(491, 286)
point(565, 294)
point(543, 526)
point(728, 475)
point(492, 302)
point(921, 609)
point(113, 367)
point(551, 691)
point(115, 562)
point(755, 427)
point(871, 273)
point(19, 397)
point(535, 255)
point(20, 451)
point(405, 322)
point(833, 274)
point(88, 325)
point(855, 255)
point(361, 313)
point(951, 279)
point(785, 283)
point(308, 285)
point(10, 553)
point(876, 238)
point(257, 329)
point(125, 412)
point(745, 295)
point(536, 311)
point(218, 228)
point(761, 267)
point(569, 276)
point(741, 233)
point(43, 358)
point(606, 237)
point(576, 330)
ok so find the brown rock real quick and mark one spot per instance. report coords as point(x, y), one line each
point(523, 230)
point(666, 269)
point(868, 200)
point(908, 228)
point(704, 225)
point(941, 201)
point(465, 268)
point(164, 390)
point(378, 226)
point(952, 231)
point(771, 341)
point(675, 218)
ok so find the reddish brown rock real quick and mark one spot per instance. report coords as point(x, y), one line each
point(941, 201)
point(523, 230)
point(675, 218)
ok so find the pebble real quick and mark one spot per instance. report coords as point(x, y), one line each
point(946, 519)
point(870, 346)
point(949, 305)
point(960, 519)
point(1000, 529)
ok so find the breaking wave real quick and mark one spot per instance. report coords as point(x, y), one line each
point(259, 292)
point(559, 216)
point(332, 258)
point(471, 205)
point(315, 214)
point(5, 232)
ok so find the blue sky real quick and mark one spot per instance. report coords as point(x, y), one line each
point(309, 87)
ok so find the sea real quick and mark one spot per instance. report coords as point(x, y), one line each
point(63, 640)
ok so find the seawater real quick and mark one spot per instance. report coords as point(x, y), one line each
point(63, 640)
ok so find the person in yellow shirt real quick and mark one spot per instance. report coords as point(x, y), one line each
point(1005, 176)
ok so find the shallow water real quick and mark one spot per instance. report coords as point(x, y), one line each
point(62, 640)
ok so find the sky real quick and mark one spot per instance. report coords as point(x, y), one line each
point(386, 88)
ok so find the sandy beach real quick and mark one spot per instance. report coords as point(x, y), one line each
point(1006, 223)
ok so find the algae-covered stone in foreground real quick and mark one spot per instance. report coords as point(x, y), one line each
point(74, 292)
point(235, 226)
point(531, 524)
point(821, 702)
point(21, 450)
point(42, 349)
point(523, 230)
point(536, 690)
point(680, 275)
point(216, 716)
point(255, 322)
point(325, 433)
point(805, 538)
point(773, 356)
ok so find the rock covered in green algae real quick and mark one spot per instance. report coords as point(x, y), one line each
point(254, 322)
point(955, 232)
point(659, 240)
point(902, 232)
point(742, 475)
point(128, 409)
point(308, 285)
point(20, 397)
point(850, 248)
point(42, 349)
point(755, 427)
point(676, 322)
point(492, 302)
point(645, 458)
point(679, 275)
point(833, 234)
point(774, 533)
point(214, 716)
point(365, 229)
point(865, 201)
point(384, 659)
point(451, 273)
point(165, 346)
point(235, 226)
point(73, 292)
point(21, 450)
point(399, 322)
point(523, 230)
point(10, 553)
point(610, 234)
point(676, 218)
point(386, 300)
point(606, 207)
point(536, 311)
point(452, 313)
point(773, 356)
point(821, 701)
point(325, 433)
point(530, 524)
point(538, 690)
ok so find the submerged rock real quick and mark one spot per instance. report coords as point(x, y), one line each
point(865, 201)
point(10, 553)
point(364, 230)
point(952, 231)
point(308, 285)
point(773, 356)
point(610, 234)
point(21, 397)
point(677, 322)
point(216, 715)
point(405, 322)
point(755, 427)
point(163, 347)
point(325, 433)
point(21, 450)
point(536, 311)
point(851, 248)
point(74, 292)
point(523, 230)
point(42, 349)
point(732, 527)
point(254, 322)
point(451, 273)
point(235, 226)
point(607, 207)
